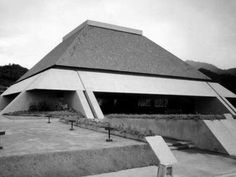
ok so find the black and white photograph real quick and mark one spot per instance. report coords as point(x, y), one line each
point(117, 88)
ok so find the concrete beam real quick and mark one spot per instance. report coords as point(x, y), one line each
point(78, 101)
point(94, 104)
point(123, 83)
point(221, 94)
point(227, 105)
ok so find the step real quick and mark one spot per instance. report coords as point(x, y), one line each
point(179, 144)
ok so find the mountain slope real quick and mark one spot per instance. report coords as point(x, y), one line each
point(232, 71)
point(10, 73)
point(210, 67)
point(227, 78)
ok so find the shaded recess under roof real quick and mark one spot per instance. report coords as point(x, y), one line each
point(100, 46)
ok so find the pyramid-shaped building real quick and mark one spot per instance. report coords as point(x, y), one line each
point(100, 69)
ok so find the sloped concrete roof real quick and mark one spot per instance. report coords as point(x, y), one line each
point(100, 46)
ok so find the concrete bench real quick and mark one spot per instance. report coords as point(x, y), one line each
point(1, 134)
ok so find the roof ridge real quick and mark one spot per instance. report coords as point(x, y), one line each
point(103, 25)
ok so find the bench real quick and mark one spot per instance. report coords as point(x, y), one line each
point(72, 121)
point(49, 118)
point(109, 133)
point(1, 134)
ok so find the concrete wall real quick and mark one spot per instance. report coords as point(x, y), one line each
point(20, 86)
point(57, 79)
point(191, 130)
point(77, 163)
point(123, 83)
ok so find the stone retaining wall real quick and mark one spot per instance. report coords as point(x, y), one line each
point(77, 163)
point(189, 130)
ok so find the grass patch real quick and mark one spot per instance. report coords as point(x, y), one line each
point(167, 116)
point(53, 114)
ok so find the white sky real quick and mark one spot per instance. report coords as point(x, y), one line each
point(201, 30)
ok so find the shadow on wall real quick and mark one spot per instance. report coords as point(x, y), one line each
point(123, 103)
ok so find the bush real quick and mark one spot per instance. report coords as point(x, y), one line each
point(41, 106)
point(166, 116)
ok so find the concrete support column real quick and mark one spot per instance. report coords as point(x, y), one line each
point(221, 96)
point(78, 101)
point(230, 105)
point(4, 101)
point(20, 103)
point(97, 112)
point(227, 105)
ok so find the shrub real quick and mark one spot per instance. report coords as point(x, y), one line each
point(166, 116)
point(41, 106)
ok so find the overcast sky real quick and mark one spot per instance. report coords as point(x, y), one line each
point(201, 30)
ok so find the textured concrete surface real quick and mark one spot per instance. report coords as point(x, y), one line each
point(94, 104)
point(191, 163)
point(105, 49)
point(123, 83)
point(224, 134)
point(38, 149)
point(37, 136)
point(196, 163)
point(189, 130)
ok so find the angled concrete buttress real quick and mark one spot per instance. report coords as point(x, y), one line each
point(78, 101)
point(230, 124)
point(21, 102)
point(226, 104)
point(97, 112)
point(224, 132)
point(221, 94)
point(4, 101)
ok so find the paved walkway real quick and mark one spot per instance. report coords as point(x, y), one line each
point(191, 163)
point(24, 136)
point(35, 136)
point(151, 171)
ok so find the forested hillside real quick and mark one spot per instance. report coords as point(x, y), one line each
point(226, 77)
point(10, 73)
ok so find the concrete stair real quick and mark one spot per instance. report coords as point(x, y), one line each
point(179, 144)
